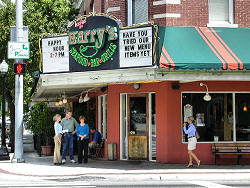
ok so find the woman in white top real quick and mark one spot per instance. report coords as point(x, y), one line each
point(57, 139)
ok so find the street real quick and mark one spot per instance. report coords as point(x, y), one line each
point(95, 181)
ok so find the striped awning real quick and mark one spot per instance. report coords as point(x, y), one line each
point(203, 48)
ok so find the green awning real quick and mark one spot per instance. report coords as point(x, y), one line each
point(203, 48)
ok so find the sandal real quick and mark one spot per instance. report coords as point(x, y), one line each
point(189, 166)
point(198, 163)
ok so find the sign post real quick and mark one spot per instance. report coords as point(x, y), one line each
point(20, 51)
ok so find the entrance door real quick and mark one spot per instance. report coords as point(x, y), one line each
point(138, 126)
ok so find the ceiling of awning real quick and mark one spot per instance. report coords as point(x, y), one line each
point(50, 87)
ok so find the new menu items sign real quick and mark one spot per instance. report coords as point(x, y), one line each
point(136, 47)
point(93, 44)
point(55, 53)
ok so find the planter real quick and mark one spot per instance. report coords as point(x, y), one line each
point(46, 150)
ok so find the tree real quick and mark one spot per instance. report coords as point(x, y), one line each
point(42, 17)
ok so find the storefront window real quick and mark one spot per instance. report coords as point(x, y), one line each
point(242, 114)
point(153, 115)
point(102, 115)
point(214, 118)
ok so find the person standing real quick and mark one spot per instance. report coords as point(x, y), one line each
point(82, 132)
point(57, 139)
point(190, 130)
point(68, 124)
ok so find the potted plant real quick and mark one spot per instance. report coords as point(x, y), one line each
point(40, 121)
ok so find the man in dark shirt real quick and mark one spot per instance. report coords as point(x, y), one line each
point(97, 138)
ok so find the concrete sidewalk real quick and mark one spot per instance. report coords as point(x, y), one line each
point(43, 167)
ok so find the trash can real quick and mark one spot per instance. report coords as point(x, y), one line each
point(112, 155)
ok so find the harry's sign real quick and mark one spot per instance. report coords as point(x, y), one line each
point(94, 44)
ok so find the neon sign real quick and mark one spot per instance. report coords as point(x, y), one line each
point(92, 47)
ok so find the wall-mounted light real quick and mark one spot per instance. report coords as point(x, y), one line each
point(206, 97)
point(245, 108)
point(80, 99)
point(64, 99)
point(86, 98)
point(60, 102)
point(136, 85)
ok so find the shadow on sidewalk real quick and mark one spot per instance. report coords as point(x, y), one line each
point(33, 158)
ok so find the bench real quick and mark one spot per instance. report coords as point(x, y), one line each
point(99, 150)
point(230, 149)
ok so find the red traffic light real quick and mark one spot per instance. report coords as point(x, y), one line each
point(20, 68)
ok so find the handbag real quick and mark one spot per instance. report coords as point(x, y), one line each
point(197, 135)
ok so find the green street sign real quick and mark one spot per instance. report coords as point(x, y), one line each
point(18, 50)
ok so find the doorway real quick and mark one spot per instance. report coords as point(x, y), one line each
point(137, 126)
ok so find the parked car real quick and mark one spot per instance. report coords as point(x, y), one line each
point(7, 122)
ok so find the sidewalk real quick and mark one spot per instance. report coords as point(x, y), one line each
point(43, 167)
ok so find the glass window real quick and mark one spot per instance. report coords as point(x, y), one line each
point(242, 114)
point(153, 114)
point(138, 115)
point(102, 115)
point(139, 11)
point(218, 10)
point(213, 118)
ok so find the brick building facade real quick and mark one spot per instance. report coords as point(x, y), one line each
point(172, 12)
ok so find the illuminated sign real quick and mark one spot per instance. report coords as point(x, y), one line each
point(93, 44)
point(136, 47)
point(19, 68)
point(55, 53)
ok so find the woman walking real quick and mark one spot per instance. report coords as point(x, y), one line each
point(57, 139)
point(82, 132)
point(190, 130)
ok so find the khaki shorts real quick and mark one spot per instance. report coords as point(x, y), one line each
point(192, 143)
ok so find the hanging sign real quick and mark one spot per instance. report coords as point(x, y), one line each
point(136, 47)
point(55, 53)
point(93, 44)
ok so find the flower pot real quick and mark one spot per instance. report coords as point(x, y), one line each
point(46, 150)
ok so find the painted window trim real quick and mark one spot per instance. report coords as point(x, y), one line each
point(102, 122)
point(129, 12)
point(230, 23)
point(234, 122)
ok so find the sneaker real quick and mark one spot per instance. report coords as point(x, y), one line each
point(72, 161)
point(63, 161)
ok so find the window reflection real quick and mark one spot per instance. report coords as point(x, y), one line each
point(213, 118)
point(138, 116)
point(242, 113)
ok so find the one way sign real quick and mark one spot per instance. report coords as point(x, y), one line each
point(18, 50)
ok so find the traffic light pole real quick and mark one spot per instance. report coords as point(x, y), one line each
point(18, 155)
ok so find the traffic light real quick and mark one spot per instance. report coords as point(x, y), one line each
point(20, 68)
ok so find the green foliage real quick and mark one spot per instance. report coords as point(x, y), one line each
point(45, 17)
point(42, 17)
point(40, 121)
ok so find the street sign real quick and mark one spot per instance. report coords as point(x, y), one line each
point(18, 50)
point(13, 34)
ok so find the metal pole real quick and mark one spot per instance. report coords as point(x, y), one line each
point(3, 112)
point(4, 154)
point(18, 156)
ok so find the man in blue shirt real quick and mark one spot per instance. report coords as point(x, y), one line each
point(96, 139)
